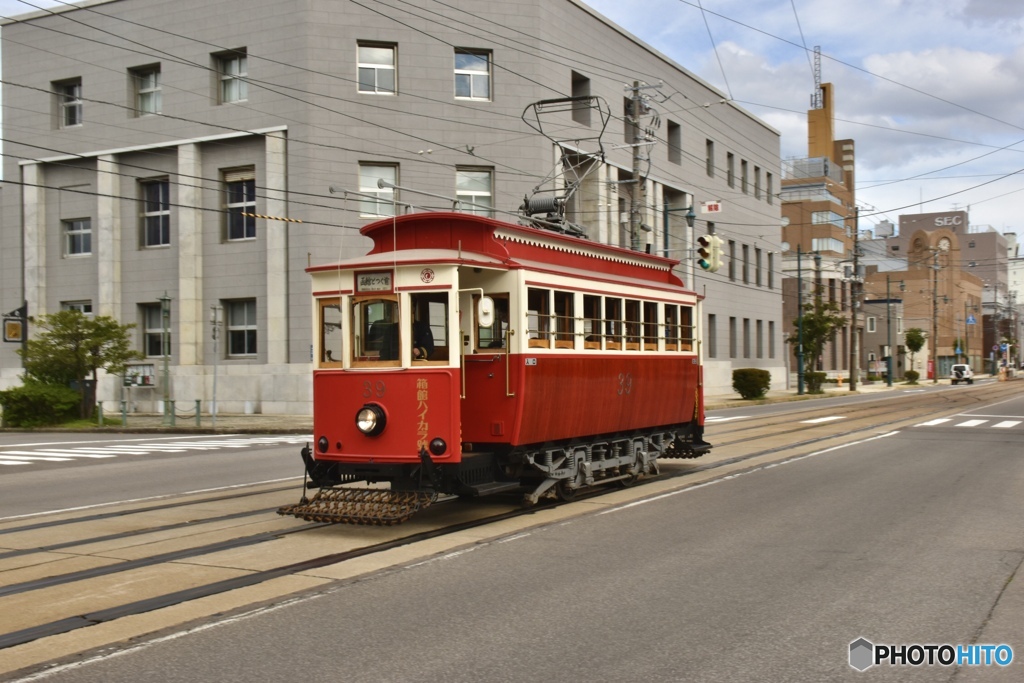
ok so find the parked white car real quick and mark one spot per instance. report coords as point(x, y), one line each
point(961, 373)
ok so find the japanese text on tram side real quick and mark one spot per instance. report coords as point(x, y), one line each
point(373, 282)
point(422, 426)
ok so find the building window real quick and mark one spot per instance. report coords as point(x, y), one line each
point(746, 337)
point(69, 102)
point(381, 201)
point(730, 169)
point(771, 270)
point(232, 68)
point(709, 157)
point(156, 213)
point(757, 182)
point(732, 261)
point(771, 339)
point(769, 183)
point(377, 69)
point(759, 341)
point(871, 324)
point(77, 237)
point(83, 307)
point(146, 84)
point(153, 331)
point(475, 188)
point(241, 317)
point(732, 337)
point(712, 336)
point(240, 198)
point(675, 143)
point(744, 179)
point(746, 264)
point(581, 88)
point(757, 266)
point(472, 75)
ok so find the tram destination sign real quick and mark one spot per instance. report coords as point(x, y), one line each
point(380, 281)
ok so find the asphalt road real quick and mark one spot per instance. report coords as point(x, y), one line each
point(768, 575)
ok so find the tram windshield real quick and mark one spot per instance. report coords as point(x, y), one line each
point(376, 330)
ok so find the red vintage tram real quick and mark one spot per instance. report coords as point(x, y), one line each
point(465, 355)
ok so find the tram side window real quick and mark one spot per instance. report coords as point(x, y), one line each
point(632, 324)
point(564, 320)
point(671, 327)
point(538, 323)
point(376, 330)
point(686, 331)
point(330, 333)
point(650, 326)
point(591, 321)
point(613, 323)
point(494, 337)
point(430, 326)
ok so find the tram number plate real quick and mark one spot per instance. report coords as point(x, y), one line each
point(531, 361)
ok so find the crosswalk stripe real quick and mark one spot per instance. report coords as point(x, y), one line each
point(1006, 424)
point(51, 452)
point(933, 423)
point(822, 419)
point(972, 423)
point(713, 418)
point(28, 458)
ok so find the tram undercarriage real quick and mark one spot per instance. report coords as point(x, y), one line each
point(548, 470)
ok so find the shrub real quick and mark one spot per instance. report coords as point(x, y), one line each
point(814, 381)
point(37, 405)
point(751, 383)
point(874, 378)
point(911, 376)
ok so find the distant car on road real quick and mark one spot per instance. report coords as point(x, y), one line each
point(961, 373)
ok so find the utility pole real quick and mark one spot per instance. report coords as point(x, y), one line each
point(854, 350)
point(888, 333)
point(643, 138)
point(935, 318)
point(799, 324)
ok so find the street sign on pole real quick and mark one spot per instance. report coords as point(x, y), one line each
point(971, 320)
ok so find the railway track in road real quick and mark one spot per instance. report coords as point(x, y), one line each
point(78, 571)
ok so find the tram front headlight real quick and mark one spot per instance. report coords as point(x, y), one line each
point(370, 419)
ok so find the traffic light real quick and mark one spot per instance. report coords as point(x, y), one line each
point(709, 250)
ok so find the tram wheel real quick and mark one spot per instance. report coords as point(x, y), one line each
point(564, 492)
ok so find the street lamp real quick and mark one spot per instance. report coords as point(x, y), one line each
point(165, 348)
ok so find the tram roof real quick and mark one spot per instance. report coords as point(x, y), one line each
point(468, 238)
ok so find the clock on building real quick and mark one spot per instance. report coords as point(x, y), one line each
point(944, 244)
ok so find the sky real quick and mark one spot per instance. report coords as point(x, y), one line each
point(931, 91)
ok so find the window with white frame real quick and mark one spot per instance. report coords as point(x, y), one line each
point(474, 187)
point(377, 69)
point(156, 213)
point(472, 74)
point(381, 201)
point(146, 82)
point(240, 203)
point(241, 318)
point(69, 102)
point(83, 307)
point(233, 68)
point(77, 237)
point(153, 331)
point(871, 324)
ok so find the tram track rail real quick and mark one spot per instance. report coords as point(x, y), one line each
point(916, 408)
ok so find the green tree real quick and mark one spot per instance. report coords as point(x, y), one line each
point(914, 340)
point(70, 348)
point(820, 321)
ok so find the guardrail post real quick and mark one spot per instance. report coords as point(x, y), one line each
point(170, 402)
point(199, 415)
point(124, 413)
point(99, 413)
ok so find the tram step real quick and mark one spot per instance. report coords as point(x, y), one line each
point(493, 487)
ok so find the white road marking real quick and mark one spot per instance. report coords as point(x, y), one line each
point(715, 418)
point(932, 423)
point(972, 423)
point(1006, 424)
point(823, 419)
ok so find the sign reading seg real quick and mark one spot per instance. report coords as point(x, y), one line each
point(374, 282)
